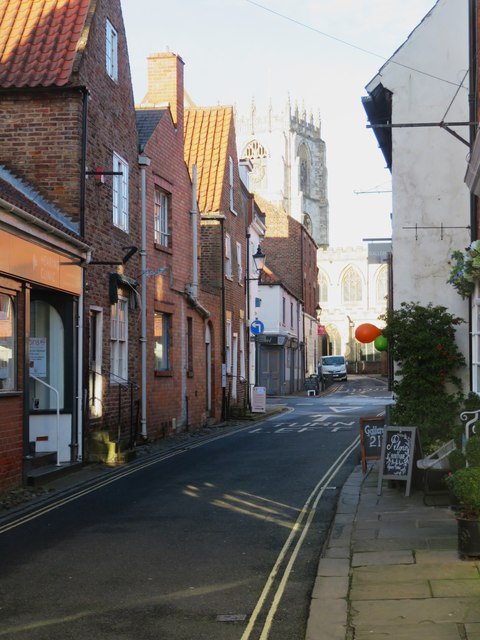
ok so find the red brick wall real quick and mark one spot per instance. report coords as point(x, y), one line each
point(178, 393)
point(41, 134)
point(11, 406)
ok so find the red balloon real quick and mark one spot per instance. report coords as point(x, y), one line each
point(367, 332)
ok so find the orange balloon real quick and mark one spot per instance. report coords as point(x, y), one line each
point(367, 332)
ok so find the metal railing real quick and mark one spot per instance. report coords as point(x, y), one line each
point(115, 403)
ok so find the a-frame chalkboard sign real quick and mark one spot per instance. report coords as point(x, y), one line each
point(398, 453)
point(371, 437)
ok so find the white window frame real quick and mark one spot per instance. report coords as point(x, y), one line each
point(161, 209)
point(111, 51)
point(120, 195)
point(228, 346)
point(228, 256)
point(231, 181)
point(239, 262)
point(162, 342)
point(242, 350)
point(119, 340)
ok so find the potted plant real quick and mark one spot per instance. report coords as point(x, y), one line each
point(464, 483)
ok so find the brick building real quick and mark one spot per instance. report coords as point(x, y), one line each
point(210, 144)
point(68, 128)
point(176, 390)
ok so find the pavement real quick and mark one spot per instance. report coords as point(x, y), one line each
point(390, 569)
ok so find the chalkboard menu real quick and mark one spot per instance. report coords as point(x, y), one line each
point(371, 437)
point(398, 452)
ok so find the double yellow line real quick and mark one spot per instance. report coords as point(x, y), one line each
point(299, 530)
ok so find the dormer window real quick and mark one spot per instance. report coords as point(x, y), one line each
point(111, 57)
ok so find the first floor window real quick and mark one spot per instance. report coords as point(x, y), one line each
point(161, 335)
point(120, 192)
point(228, 256)
point(119, 341)
point(111, 51)
point(7, 343)
point(161, 207)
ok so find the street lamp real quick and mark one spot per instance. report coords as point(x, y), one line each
point(259, 260)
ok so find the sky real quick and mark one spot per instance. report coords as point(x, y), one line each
point(320, 54)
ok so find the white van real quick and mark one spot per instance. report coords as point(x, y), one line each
point(336, 365)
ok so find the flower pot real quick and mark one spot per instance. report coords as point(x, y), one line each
point(468, 538)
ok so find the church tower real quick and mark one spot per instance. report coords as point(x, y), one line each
point(289, 164)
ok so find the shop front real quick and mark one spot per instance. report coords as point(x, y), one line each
point(41, 277)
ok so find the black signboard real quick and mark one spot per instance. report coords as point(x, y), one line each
point(398, 452)
point(371, 437)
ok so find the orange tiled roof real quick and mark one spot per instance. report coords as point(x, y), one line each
point(207, 132)
point(39, 40)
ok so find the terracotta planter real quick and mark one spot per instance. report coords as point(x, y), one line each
point(468, 538)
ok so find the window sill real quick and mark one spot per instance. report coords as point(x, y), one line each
point(164, 374)
point(163, 248)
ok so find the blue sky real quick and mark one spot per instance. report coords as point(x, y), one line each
point(236, 50)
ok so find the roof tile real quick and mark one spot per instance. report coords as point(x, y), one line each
point(38, 40)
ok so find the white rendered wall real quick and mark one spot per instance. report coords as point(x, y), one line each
point(429, 164)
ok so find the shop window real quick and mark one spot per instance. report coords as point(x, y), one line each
point(7, 343)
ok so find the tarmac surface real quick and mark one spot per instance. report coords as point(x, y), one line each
point(391, 570)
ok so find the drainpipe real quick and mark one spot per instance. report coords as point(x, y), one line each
point(144, 162)
point(473, 118)
point(194, 212)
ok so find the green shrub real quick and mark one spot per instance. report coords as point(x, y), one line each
point(465, 485)
point(472, 451)
point(427, 390)
point(456, 460)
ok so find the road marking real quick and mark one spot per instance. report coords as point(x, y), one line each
point(339, 409)
point(307, 513)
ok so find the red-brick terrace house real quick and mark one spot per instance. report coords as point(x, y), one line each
point(40, 264)
point(176, 390)
point(210, 145)
point(68, 129)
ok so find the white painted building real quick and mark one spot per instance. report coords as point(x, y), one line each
point(423, 84)
point(280, 362)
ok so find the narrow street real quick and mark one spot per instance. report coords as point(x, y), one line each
point(220, 541)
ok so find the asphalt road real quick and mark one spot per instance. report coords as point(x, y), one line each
point(219, 542)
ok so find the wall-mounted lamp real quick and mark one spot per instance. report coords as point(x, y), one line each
point(259, 259)
point(318, 310)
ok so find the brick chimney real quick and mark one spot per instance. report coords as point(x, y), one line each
point(165, 85)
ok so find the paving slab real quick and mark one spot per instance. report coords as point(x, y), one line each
point(382, 558)
point(414, 572)
point(447, 631)
point(390, 590)
point(432, 610)
point(455, 588)
point(326, 587)
point(339, 567)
